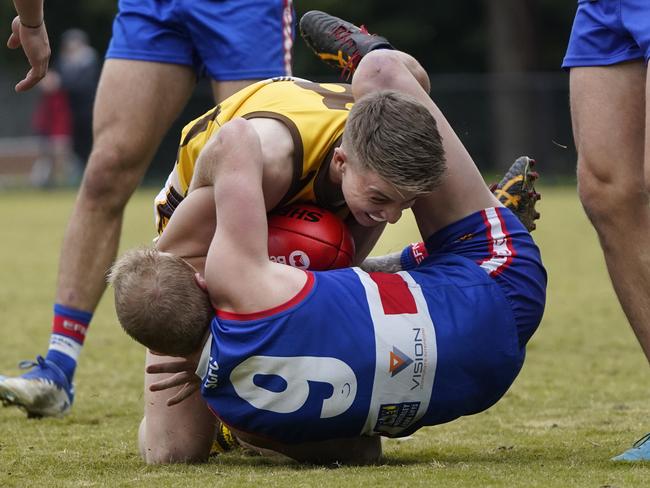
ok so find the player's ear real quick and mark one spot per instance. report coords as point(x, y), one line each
point(339, 162)
point(200, 281)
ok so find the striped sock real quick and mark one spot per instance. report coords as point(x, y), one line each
point(69, 328)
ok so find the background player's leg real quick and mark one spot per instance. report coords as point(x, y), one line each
point(129, 123)
point(223, 89)
point(609, 129)
point(623, 224)
point(135, 106)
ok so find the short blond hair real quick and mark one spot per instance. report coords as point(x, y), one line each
point(158, 302)
point(396, 136)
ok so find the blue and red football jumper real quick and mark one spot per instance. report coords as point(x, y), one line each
point(365, 354)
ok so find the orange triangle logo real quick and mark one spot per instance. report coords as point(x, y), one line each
point(395, 361)
point(398, 361)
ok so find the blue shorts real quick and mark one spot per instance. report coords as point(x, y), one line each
point(607, 32)
point(231, 40)
point(495, 239)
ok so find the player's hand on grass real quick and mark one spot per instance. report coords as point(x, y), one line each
point(36, 45)
point(184, 377)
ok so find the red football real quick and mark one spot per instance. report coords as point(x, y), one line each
point(309, 237)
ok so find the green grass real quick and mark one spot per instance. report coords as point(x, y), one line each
point(581, 397)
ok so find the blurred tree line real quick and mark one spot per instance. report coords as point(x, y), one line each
point(494, 41)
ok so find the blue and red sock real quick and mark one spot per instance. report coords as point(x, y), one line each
point(69, 328)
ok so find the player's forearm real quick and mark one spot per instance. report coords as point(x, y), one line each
point(390, 263)
point(30, 12)
point(235, 172)
point(241, 235)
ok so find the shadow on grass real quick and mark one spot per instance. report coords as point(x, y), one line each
point(508, 457)
point(425, 457)
point(515, 456)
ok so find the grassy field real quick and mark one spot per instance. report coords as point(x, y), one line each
point(581, 398)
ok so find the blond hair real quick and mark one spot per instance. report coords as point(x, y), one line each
point(396, 136)
point(158, 302)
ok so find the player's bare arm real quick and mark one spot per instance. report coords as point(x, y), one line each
point(191, 228)
point(192, 225)
point(238, 272)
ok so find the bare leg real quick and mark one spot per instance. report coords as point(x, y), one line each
point(393, 70)
point(223, 89)
point(135, 105)
point(607, 107)
point(129, 123)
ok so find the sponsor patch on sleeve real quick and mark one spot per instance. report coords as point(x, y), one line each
point(396, 416)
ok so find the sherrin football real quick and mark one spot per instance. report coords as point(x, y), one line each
point(309, 237)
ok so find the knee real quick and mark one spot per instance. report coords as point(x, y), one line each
point(379, 70)
point(608, 195)
point(110, 178)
